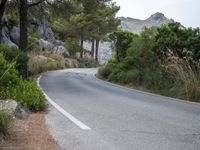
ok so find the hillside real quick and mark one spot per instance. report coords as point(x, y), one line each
point(137, 25)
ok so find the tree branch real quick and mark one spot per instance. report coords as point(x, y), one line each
point(36, 3)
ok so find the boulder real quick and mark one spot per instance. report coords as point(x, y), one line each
point(15, 34)
point(58, 42)
point(13, 108)
point(45, 45)
point(60, 49)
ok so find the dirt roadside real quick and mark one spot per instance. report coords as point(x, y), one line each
point(29, 134)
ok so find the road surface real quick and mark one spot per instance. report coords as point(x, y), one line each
point(90, 114)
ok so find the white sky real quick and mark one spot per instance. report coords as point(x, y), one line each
point(187, 12)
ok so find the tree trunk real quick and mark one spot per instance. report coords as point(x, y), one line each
point(2, 10)
point(92, 49)
point(23, 42)
point(97, 49)
point(81, 50)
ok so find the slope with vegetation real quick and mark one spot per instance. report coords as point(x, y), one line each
point(46, 35)
point(164, 60)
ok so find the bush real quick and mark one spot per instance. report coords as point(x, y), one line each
point(106, 70)
point(8, 74)
point(29, 95)
point(14, 87)
point(148, 62)
point(26, 93)
point(5, 122)
point(72, 45)
point(15, 55)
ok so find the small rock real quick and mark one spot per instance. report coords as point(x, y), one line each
point(60, 49)
point(45, 45)
point(13, 108)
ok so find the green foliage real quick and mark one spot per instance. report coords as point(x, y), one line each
point(14, 87)
point(5, 122)
point(12, 14)
point(26, 93)
point(148, 61)
point(33, 39)
point(177, 38)
point(122, 41)
point(15, 55)
point(72, 45)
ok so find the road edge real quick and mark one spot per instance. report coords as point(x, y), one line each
point(143, 92)
point(77, 122)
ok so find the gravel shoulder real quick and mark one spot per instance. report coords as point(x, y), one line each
point(29, 134)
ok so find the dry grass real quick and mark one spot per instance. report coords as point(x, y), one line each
point(188, 71)
point(45, 61)
point(29, 134)
point(5, 122)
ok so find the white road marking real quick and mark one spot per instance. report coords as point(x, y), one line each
point(60, 109)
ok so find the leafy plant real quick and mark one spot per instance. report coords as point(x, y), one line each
point(15, 55)
point(5, 122)
point(12, 86)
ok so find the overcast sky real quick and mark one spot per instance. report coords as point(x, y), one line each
point(187, 12)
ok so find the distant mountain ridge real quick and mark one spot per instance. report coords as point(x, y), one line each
point(137, 25)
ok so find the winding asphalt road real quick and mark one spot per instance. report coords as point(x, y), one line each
point(91, 114)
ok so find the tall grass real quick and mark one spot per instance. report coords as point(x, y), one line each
point(5, 122)
point(187, 70)
point(41, 62)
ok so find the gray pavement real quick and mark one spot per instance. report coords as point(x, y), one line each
point(119, 118)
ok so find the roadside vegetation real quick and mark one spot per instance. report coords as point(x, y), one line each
point(5, 122)
point(13, 86)
point(163, 60)
point(67, 23)
point(45, 61)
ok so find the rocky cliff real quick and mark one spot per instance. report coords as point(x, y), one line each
point(48, 41)
point(41, 26)
point(137, 25)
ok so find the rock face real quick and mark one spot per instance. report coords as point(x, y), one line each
point(45, 45)
point(136, 25)
point(6, 35)
point(45, 30)
point(14, 34)
point(105, 51)
point(13, 108)
point(61, 49)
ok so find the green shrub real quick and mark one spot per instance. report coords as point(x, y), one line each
point(132, 76)
point(14, 87)
point(29, 95)
point(106, 70)
point(72, 45)
point(15, 55)
point(148, 62)
point(122, 41)
point(8, 74)
point(5, 122)
point(26, 93)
